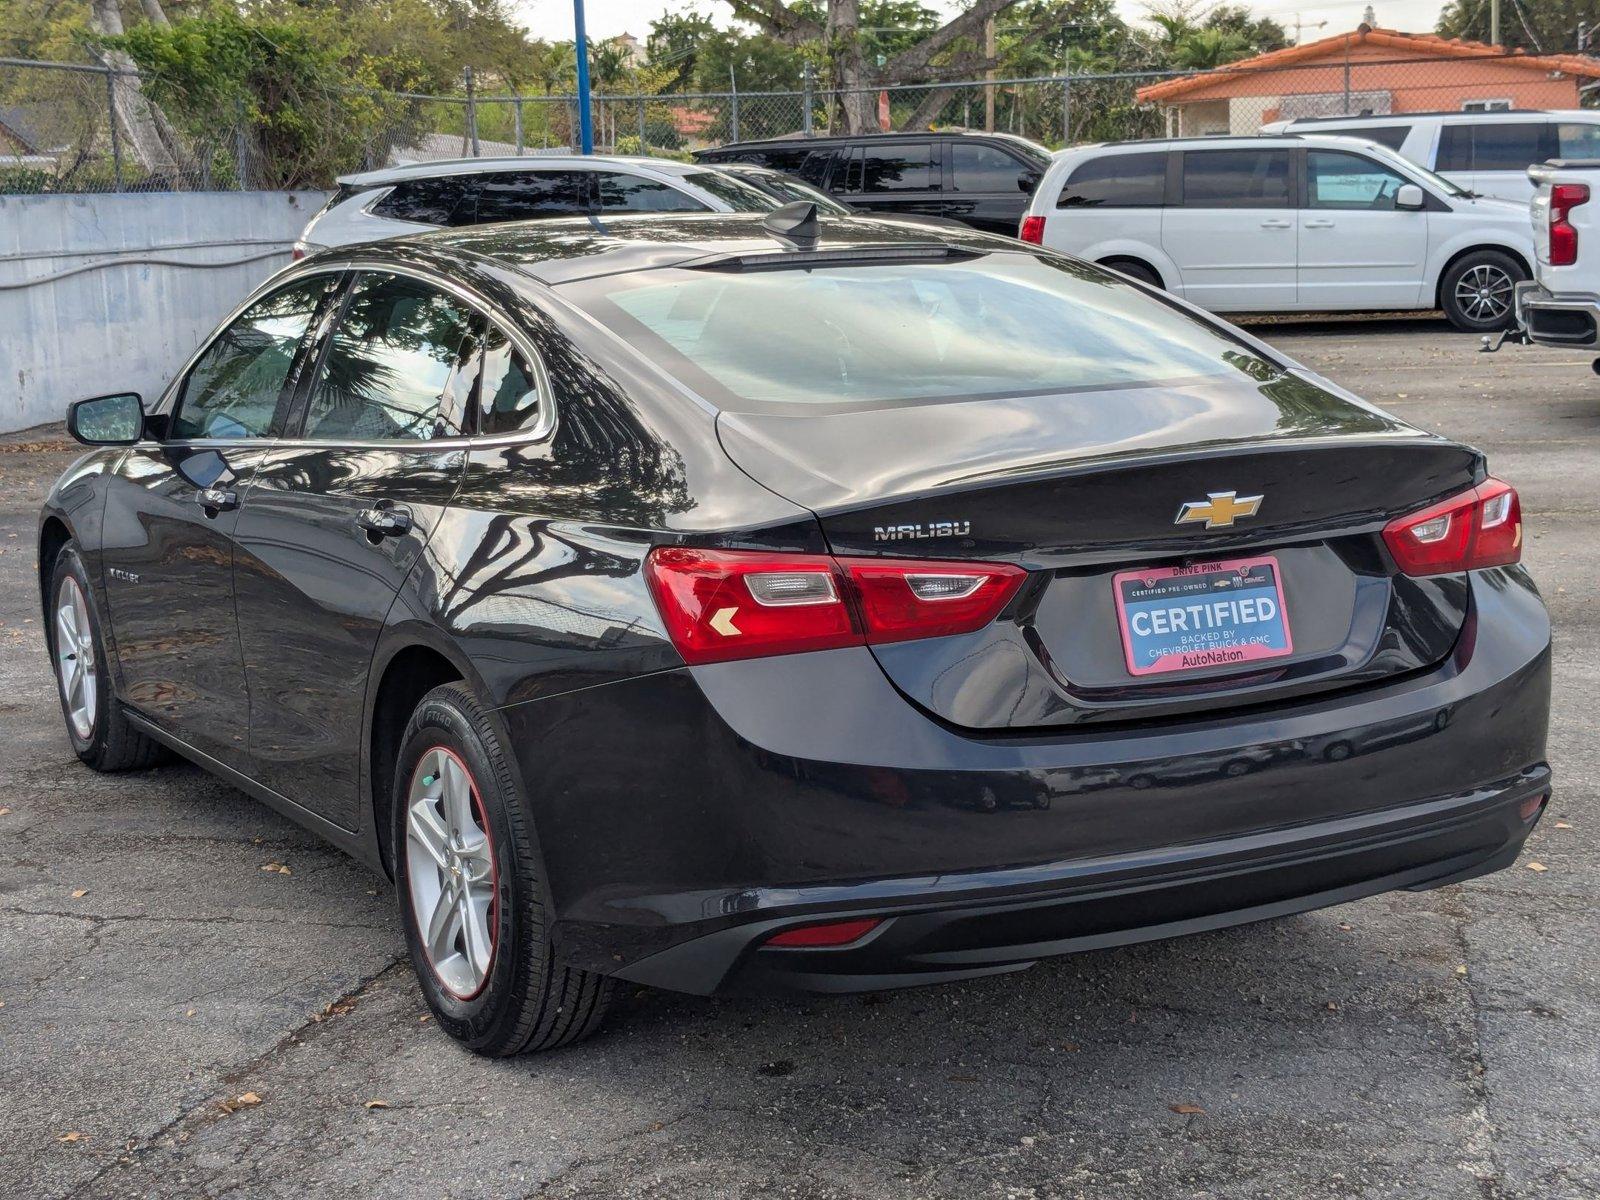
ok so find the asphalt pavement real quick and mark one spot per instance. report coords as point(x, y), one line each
point(199, 999)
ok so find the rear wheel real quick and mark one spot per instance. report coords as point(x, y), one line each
point(99, 730)
point(1476, 292)
point(471, 899)
point(1134, 270)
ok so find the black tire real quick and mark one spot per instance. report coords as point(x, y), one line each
point(1498, 272)
point(528, 1000)
point(112, 743)
point(1134, 269)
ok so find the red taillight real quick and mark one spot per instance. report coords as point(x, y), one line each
point(1481, 527)
point(1032, 230)
point(830, 933)
point(1564, 197)
point(720, 605)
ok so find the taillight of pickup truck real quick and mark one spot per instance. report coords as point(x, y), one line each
point(1563, 236)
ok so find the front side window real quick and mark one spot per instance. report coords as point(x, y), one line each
point(532, 195)
point(875, 333)
point(1117, 181)
point(631, 193)
point(401, 365)
point(904, 168)
point(234, 389)
point(1579, 139)
point(980, 168)
point(1335, 179)
point(445, 201)
point(1236, 179)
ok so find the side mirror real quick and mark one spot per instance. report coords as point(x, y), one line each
point(1028, 180)
point(107, 420)
point(1409, 198)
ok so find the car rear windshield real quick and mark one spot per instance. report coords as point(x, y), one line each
point(873, 333)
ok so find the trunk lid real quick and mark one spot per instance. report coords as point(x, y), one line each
point(1083, 488)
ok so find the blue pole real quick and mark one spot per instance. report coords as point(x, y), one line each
point(585, 118)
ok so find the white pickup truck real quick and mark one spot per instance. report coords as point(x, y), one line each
point(1560, 305)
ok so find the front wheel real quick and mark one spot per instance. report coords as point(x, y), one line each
point(1477, 290)
point(471, 899)
point(101, 735)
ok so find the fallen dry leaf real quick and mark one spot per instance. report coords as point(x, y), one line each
point(79, 893)
point(277, 868)
point(1538, 866)
point(189, 1012)
point(1559, 824)
point(424, 1018)
point(4, 811)
point(1461, 970)
point(1187, 1110)
point(247, 1100)
point(72, 1135)
point(376, 1104)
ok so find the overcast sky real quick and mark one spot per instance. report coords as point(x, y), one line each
point(552, 19)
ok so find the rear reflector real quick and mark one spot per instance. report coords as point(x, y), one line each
point(720, 605)
point(830, 933)
point(1481, 527)
point(1032, 230)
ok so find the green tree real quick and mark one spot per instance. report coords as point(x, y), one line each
point(1548, 26)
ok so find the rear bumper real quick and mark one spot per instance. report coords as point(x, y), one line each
point(685, 816)
point(1570, 319)
point(1120, 900)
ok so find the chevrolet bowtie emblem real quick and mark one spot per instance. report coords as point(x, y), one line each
point(1218, 510)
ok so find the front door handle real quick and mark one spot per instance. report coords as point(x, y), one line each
point(384, 520)
point(1319, 224)
point(1275, 224)
point(216, 500)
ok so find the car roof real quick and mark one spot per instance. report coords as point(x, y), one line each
point(524, 162)
point(564, 249)
point(1498, 114)
point(835, 139)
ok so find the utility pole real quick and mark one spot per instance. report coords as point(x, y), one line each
point(988, 74)
point(581, 47)
point(1494, 22)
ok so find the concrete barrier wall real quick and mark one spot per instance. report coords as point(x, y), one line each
point(110, 293)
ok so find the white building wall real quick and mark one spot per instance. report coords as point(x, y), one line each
point(108, 293)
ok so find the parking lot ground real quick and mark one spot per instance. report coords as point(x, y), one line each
point(179, 1020)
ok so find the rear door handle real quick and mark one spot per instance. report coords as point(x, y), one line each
point(1276, 225)
point(216, 500)
point(1319, 224)
point(385, 520)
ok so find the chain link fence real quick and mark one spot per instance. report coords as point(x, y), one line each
point(86, 128)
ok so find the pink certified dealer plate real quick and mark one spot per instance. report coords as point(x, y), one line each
point(1213, 614)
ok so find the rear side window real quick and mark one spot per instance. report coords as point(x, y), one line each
point(401, 365)
point(980, 168)
point(531, 195)
point(902, 168)
point(509, 398)
point(779, 158)
point(447, 201)
point(234, 388)
point(1116, 181)
point(631, 193)
point(1236, 179)
point(1496, 145)
point(814, 168)
point(1390, 136)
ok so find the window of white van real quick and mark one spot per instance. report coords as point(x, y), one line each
point(1335, 179)
point(1495, 145)
point(1579, 139)
point(1117, 181)
point(1236, 179)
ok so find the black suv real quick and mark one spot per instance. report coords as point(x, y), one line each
point(980, 179)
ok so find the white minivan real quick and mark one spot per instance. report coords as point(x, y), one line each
point(1290, 223)
point(1484, 151)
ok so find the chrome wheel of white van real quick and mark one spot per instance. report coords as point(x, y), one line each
point(1484, 292)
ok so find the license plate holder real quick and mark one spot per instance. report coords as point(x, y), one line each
point(1204, 615)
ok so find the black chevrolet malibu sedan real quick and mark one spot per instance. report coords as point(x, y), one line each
point(729, 603)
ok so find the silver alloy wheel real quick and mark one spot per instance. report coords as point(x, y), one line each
point(75, 657)
point(450, 864)
point(1484, 292)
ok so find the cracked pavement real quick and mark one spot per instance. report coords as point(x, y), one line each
point(194, 1025)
